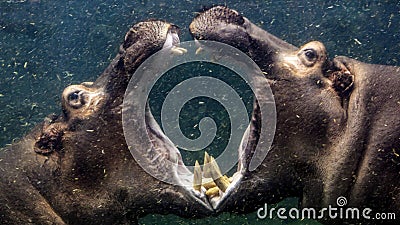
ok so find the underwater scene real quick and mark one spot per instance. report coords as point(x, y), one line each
point(48, 45)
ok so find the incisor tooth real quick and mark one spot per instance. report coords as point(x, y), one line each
point(206, 165)
point(222, 182)
point(197, 177)
point(209, 183)
point(212, 191)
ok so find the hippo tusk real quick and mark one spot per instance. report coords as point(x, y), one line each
point(222, 182)
point(197, 177)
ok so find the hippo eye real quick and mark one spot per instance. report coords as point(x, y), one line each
point(310, 54)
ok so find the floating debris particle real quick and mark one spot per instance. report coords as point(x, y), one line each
point(357, 41)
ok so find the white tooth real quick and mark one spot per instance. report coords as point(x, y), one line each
point(197, 42)
point(212, 191)
point(168, 40)
point(222, 182)
point(214, 169)
point(199, 50)
point(86, 83)
point(197, 179)
point(178, 50)
point(208, 183)
point(175, 38)
point(206, 166)
point(206, 157)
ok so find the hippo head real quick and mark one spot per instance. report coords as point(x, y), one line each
point(100, 158)
point(308, 107)
point(76, 167)
point(322, 121)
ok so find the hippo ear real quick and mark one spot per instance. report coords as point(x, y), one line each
point(342, 79)
point(50, 139)
point(342, 82)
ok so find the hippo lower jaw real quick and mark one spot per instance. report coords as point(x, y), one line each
point(212, 186)
point(209, 187)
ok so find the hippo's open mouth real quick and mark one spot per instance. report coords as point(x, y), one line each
point(206, 182)
point(160, 157)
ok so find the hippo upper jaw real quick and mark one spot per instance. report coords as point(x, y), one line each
point(141, 41)
point(228, 26)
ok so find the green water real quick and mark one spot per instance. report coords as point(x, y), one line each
point(48, 45)
point(229, 218)
point(200, 107)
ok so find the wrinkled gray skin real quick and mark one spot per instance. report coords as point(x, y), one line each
point(338, 122)
point(75, 168)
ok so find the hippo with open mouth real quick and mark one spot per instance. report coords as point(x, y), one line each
point(76, 168)
point(338, 124)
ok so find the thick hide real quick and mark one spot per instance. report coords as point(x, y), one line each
point(338, 123)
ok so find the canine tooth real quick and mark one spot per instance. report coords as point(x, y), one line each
point(214, 169)
point(222, 182)
point(197, 177)
point(206, 157)
point(206, 165)
point(212, 191)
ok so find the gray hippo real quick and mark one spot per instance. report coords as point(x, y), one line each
point(75, 168)
point(337, 140)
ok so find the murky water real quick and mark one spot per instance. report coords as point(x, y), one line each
point(48, 45)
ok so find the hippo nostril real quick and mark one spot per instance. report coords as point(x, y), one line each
point(73, 96)
point(75, 99)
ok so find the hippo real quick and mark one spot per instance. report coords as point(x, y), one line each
point(76, 168)
point(337, 140)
